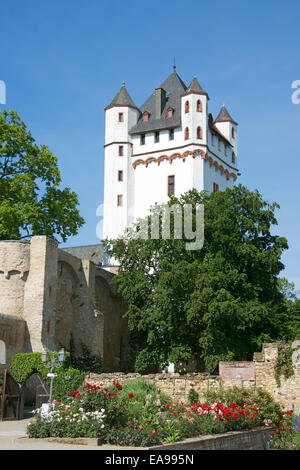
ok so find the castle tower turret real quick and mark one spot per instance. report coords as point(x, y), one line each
point(194, 113)
point(121, 115)
point(227, 126)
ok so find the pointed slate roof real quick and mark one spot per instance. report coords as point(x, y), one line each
point(224, 116)
point(195, 87)
point(174, 88)
point(122, 98)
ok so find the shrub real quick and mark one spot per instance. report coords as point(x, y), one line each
point(262, 400)
point(26, 364)
point(193, 397)
point(286, 436)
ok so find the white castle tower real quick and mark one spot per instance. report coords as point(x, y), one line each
point(167, 146)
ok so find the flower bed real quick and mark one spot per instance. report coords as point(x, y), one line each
point(135, 414)
point(287, 434)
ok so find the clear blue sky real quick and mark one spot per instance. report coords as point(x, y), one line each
point(63, 61)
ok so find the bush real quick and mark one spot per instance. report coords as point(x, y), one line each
point(286, 436)
point(262, 400)
point(133, 435)
point(26, 364)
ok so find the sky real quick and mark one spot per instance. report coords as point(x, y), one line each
point(63, 61)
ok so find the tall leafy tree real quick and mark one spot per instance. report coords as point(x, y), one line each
point(217, 303)
point(31, 201)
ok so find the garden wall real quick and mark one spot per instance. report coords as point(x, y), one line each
point(258, 374)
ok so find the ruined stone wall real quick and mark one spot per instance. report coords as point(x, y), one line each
point(50, 296)
point(178, 386)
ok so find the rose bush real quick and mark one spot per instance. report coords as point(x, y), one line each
point(123, 417)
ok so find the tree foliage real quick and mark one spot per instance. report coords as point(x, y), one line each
point(31, 201)
point(218, 303)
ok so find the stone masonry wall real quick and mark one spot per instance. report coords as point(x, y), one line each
point(48, 296)
point(178, 386)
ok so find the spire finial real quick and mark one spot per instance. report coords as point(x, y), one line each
point(123, 83)
point(174, 66)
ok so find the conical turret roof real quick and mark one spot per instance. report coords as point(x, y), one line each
point(224, 116)
point(195, 87)
point(122, 98)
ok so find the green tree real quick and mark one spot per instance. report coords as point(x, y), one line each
point(217, 303)
point(31, 202)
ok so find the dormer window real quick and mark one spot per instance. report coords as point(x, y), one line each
point(199, 106)
point(187, 107)
point(170, 112)
point(145, 116)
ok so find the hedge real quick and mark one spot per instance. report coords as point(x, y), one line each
point(68, 378)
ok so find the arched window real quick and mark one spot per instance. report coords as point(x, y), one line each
point(233, 157)
point(186, 134)
point(199, 106)
point(187, 107)
point(199, 133)
point(233, 133)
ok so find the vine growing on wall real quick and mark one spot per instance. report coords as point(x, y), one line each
point(284, 363)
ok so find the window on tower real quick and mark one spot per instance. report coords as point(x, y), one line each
point(215, 187)
point(121, 151)
point(233, 133)
point(186, 133)
point(199, 133)
point(171, 134)
point(120, 175)
point(199, 106)
point(120, 200)
point(187, 107)
point(156, 137)
point(121, 117)
point(233, 157)
point(171, 185)
point(143, 139)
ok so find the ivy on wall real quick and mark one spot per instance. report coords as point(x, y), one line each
point(284, 363)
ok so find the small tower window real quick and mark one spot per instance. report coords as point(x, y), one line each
point(171, 134)
point(156, 137)
point(186, 134)
point(219, 144)
point(215, 187)
point(121, 151)
point(199, 106)
point(121, 117)
point(145, 116)
point(171, 185)
point(233, 157)
point(187, 107)
point(169, 113)
point(199, 133)
point(142, 139)
point(120, 175)
point(233, 133)
point(120, 200)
